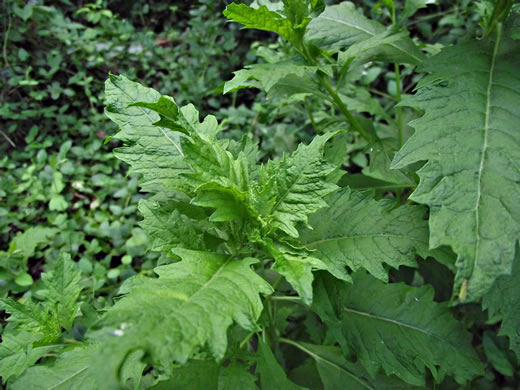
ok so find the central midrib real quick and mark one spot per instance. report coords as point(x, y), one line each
point(485, 146)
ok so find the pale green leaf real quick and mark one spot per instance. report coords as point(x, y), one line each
point(152, 151)
point(169, 227)
point(337, 373)
point(412, 6)
point(62, 289)
point(236, 377)
point(27, 242)
point(262, 19)
point(296, 266)
point(17, 353)
point(469, 137)
point(360, 232)
point(69, 372)
point(195, 375)
point(29, 316)
point(388, 46)
point(299, 184)
point(397, 328)
point(267, 75)
point(340, 26)
point(190, 306)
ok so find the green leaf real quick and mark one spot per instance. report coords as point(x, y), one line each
point(30, 317)
point(469, 137)
point(360, 232)
point(388, 46)
point(262, 19)
point(412, 6)
point(267, 75)
point(340, 26)
point(298, 183)
point(504, 300)
point(168, 226)
point(28, 241)
point(17, 353)
point(397, 328)
point(195, 375)
point(24, 280)
point(272, 375)
point(296, 266)
point(190, 306)
point(338, 373)
point(152, 151)
point(69, 372)
point(62, 289)
point(496, 356)
point(236, 377)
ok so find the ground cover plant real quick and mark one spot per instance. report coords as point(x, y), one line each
point(379, 253)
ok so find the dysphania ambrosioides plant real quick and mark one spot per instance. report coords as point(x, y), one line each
point(289, 274)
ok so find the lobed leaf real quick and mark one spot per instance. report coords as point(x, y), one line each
point(357, 231)
point(190, 306)
point(469, 137)
point(397, 328)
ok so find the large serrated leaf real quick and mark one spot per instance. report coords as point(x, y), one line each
point(152, 151)
point(190, 306)
point(299, 183)
point(69, 372)
point(343, 26)
point(397, 328)
point(469, 136)
point(62, 289)
point(360, 232)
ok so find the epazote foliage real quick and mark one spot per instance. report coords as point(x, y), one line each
point(294, 273)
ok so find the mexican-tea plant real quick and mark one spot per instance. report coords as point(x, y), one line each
point(288, 264)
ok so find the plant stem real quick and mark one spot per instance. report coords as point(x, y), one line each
point(399, 108)
point(247, 338)
point(8, 139)
point(311, 117)
point(286, 298)
point(277, 282)
point(350, 118)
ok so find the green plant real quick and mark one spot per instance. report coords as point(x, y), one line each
point(295, 273)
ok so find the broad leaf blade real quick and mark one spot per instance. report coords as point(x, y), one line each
point(272, 375)
point(190, 306)
point(469, 137)
point(299, 183)
point(152, 151)
point(69, 372)
point(63, 286)
point(397, 328)
point(360, 232)
point(262, 19)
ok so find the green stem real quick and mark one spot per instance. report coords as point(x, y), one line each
point(339, 103)
point(335, 97)
point(311, 117)
point(399, 108)
point(247, 338)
